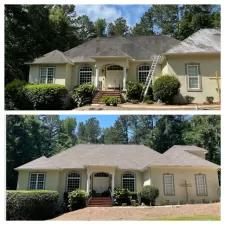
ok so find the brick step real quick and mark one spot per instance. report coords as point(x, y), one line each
point(100, 201)
point(97, 98)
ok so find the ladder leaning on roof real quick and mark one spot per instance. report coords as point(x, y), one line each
point(150, 74)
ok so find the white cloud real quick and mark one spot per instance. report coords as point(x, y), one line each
point(94, 12)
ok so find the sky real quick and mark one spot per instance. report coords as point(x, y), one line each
point(131, 13)
point(104, 120)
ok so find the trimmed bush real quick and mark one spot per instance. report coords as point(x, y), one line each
point(110, 100)
point(147, 99)
point(165, 88)
point(134, 91)
point(189, 99)
point(83, 94)
point(149, 195)
point(31, 205)
point(46, 96)
point(14, 98)
point(121, 196)
point(77, 199)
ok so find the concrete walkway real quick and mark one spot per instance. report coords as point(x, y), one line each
point(141, 213)
point(143, 106)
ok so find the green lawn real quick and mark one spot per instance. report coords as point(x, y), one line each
point(194, 218)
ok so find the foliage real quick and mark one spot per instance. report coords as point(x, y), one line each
point(118, 28)
point(149, 194)
point(121, 195)
point(189, 99)
point(110, 100)
point(165, 88)
point(100, 27)
point(134, 90)
point(31, 205)
point(14, 94)
point(46, 96)
point(83, 94)
point(77, 199)
point(210, 99)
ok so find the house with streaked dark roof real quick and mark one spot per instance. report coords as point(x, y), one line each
point(110, 62)
point(182, 174)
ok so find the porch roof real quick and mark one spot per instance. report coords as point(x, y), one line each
point(137, 157)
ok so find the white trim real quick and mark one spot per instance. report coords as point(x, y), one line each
point(145, 71)
point(46, 75)
point(73, 178)
point(37, 180)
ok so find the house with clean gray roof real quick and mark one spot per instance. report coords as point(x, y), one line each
point(110, 62)
point(182, 174)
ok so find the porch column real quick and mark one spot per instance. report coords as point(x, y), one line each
point(96, 76)
point(88, 182)
point(113, 182)
point(124, 78)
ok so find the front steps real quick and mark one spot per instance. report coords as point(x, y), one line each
point(115, 93)
point(100, 202)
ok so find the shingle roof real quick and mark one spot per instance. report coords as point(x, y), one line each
point(138, 47)
point(181, 156)
point(122, 156)
point(202, 41)
point(53, 57)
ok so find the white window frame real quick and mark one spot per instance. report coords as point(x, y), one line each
point(37, 181)
point(192, 76)
point(201, 188)
point(46, 76)
point(169, 189)
point(73, 178)
point(143, 71)
point(129, 178)
point(85, 73)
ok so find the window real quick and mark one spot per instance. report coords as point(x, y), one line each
point(47, 75)
point(73, 181)
point(193, 76)
point(114, 67)
point(201, 187)
point(168, 183)
point(85, 74)
point(128, 181)
point(143, 73)
point(37, 181)
point(101, 174)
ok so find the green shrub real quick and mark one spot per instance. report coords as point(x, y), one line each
point(149, 194)
point(134, 91)
point(147, 99)
point(31, 205)
point(14, 98)
point(165, 88)
point(77, 199)
point(83, 94)
point(46, 96)
point(210, 99)
point(121, 195)
point(110, 100)
point(189, 99)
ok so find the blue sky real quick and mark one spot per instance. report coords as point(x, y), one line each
point(104, 120)
point(131, 13)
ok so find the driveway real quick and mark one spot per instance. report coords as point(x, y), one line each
point(143, 213)
point(144, 106)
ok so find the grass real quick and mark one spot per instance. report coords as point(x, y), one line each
point(193, 218)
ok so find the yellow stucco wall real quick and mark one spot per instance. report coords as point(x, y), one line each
point(188, 174)
point(209, 64)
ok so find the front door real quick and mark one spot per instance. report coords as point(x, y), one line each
point(114, 77)
point(100, 182)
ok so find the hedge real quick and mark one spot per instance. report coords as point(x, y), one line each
point(77, 199)
point(165, 88)
point(149, 194)
point(83, 94)
point(14, 98)
point(134, 90)
point(121, 196)
point(31, 205)
point(46, 96)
